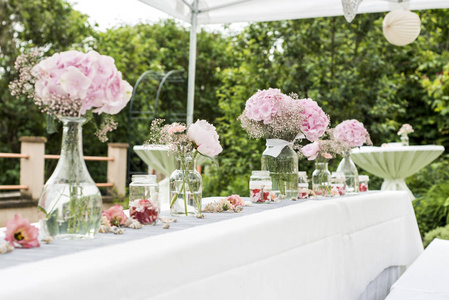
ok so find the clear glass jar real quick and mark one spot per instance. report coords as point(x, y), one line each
point(303, 185)
point(363, 183)
point(283, 171)
point(260, 187)
point(144, 203)
point(186, 188)
point(70, 204)
point(338, 183)
point(321, 179)
point(404, 139)
point(348, 167)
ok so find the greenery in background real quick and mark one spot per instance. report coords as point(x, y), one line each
point(438, 233)
point(348, 68)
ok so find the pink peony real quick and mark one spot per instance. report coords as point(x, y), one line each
point(19, 232)
point(144, 211)
point(315, 120)
point(205, 137)
point(115, 215)
point(311, 151)
point(351, 132)
point(264, 105)
point(236, 200)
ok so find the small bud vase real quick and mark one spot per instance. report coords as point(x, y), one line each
point(71, 204)
point(348, 168)
point(283, 171)
point(185, 188)
point(321, 184)
point(404, 139)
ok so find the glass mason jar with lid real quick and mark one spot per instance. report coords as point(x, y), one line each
point(363, 183)
point(338, 183)
point(144, 203)
point(260, 187)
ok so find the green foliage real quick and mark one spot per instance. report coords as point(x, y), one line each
point(437, 233)
point(432, 210)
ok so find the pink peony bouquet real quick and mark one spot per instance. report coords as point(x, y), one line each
point(200, 136)
point(352, 133)
point(20, 233)
point(71, 83)
point(405, 129)
point(271, 114)
point(327, 147)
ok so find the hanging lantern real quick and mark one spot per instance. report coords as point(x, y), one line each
point(401, 27)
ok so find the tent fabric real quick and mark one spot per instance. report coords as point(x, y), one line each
point(230, 11)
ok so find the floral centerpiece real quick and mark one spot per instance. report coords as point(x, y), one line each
point(351, 133)
point(282, 119)
point(70, 86)
point(403, 132)
point(186, 143)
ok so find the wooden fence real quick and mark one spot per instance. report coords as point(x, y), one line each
point(32, 164)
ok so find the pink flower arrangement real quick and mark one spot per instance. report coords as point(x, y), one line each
point(144, 211)
point(311, 151)
point(270, 114)
point(90, 78)
point(205, 137)
point(351, 133)
point(115, 215)
point(20, 233)
point(315, 121)
point(406, 128)
point(200, 136)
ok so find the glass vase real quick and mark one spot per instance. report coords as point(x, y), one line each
point(404, 139)
point(70, 204)
point(321, 184)
point(185, 188)
point(283, 171)
point(348, 168)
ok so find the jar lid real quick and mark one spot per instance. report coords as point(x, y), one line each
point(260, 173)
point(338, 174)
point(302, 173)
point(144, 178)
point(363, 178)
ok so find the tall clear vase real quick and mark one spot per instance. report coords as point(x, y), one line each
point(185, 188)
point(348, 167)
point(70, 204)
point(283, 171)
point(404, 139)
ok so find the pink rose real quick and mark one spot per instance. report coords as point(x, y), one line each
point(351, 132)
point(311, 151)
point(19, 232)
point(315, 120)
point(236, 200)
point(115, 215)
point(205, 137)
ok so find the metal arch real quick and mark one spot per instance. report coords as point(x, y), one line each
point(162, 83)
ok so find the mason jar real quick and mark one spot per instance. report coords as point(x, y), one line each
point(303, 185)
point(260, 186)
point(144, 203)
point(363, 183)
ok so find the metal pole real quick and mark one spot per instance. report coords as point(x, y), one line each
point(192, 64)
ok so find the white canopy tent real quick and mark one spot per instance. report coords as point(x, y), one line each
point(198, 12)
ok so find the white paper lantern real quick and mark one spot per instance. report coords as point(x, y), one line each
point(401, 27)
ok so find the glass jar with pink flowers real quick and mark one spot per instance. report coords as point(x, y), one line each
point(260, 186)
point(351, 133)
point(67, 86)
point(282, 120)
point(144, 199)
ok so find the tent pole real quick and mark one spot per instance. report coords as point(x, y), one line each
point(192, 64)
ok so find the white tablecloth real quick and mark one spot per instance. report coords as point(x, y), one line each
point(394, 164)
point(319, 249)
point(427, 278)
